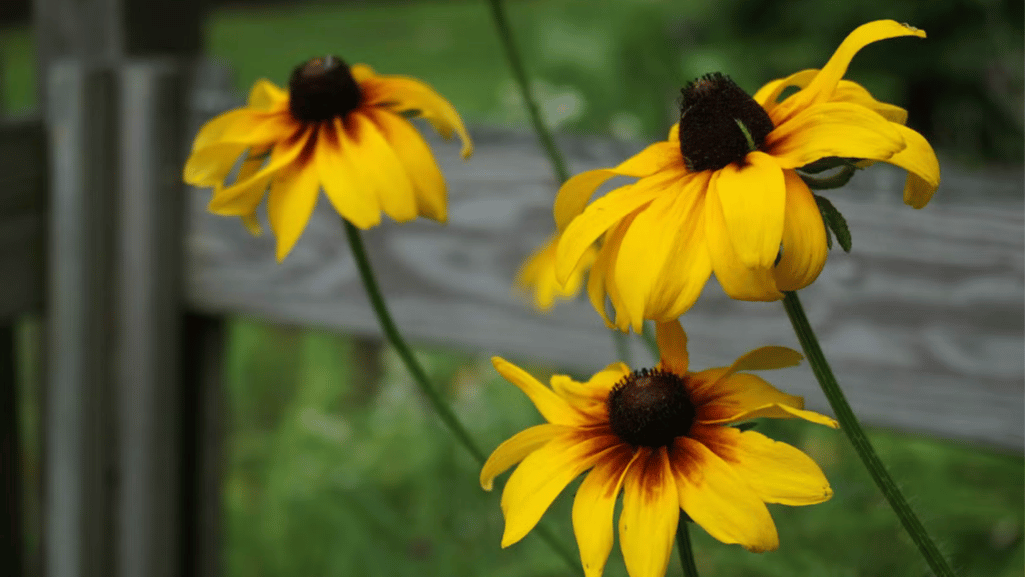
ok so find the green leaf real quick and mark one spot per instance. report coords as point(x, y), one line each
point(835, 222)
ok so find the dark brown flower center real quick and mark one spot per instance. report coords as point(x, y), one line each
point(719, 123)
point(322, 88)
point(650, 408)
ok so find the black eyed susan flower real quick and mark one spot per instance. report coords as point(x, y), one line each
point(537, 275)
point(340, 129)
point(660, 436)
point(723, 194)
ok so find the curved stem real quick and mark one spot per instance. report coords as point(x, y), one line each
point(852, 428)
point(520, 74)
point(391, 332)
point(690, 569)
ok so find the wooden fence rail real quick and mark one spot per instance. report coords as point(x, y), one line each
point(923, 320)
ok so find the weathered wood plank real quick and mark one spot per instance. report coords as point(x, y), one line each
point(22, 205)
point(923, 320)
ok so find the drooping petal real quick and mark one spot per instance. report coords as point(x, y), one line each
point(768, 95)
point(594, 505)
point(250, 166)
point(211, 132)
point(773, 411)
point(343, 185)
point(543, 474)
point(403, 94)
point(833, 129)
point(923, 169)
point(804, 237)
point(733, 394)
point(672, 346)
point(821, 88)
point(515, 449)
point(775, 471)
point(662, 236)
point(293, 194)
point(552, 407)
point(378, 166)
point(537, 275)
point(719, 499)
point(739, 281)
point(753, 199)
point(242, 197)
point(651, 511)
point(595, 390)
point(847, 91)
point(210, 165)
point(599, 217)
point(416, 157)
point(574, 193)
point(265, 95)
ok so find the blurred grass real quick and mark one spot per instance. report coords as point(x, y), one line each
point(334, 474)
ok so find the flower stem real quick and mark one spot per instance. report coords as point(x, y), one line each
point(520, 74)
point(852, 428)
point(690, 569)
point(391, 332)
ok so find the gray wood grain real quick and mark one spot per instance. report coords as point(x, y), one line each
point(923, 321)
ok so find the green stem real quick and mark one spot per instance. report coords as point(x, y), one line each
point(690, 569)
point(520, 74)
point(850, 425)
point(391, 332)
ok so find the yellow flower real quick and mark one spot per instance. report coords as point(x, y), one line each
point(722, 193)
point(340, 129)
point(537, 275)
point(660, 436)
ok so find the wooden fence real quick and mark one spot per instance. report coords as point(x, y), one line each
point(924, 320)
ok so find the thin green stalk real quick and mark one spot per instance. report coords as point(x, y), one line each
point(690, 569)
point(520, 74)
point(391, 332)
point(850, 425)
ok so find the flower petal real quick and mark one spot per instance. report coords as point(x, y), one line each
point(804, 237)
point(595, 390)
point(923, 169)
point(343, 185)
point(514, 449)
point(599, 217)
point(753, 199)
point(574, 193)
point(543, 474)
point(821, 88)
point(733, 394)
point(250, 166)
point(242, 197)
point(847, 91)
point(594, 505)
point(419, 163)
point(768, 95)
point(552, 407)
point(773, 411)
point(210, 165)
point(537, 275)
point(775, 471)
point(833, 129)
point(651, 511)
point(402, 94)
point(265, 95)
point(379, 168)
point(738, 280)
point(672, 346)
point(293, 194)
point(719, 499)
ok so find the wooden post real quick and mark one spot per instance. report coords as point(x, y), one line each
point(12, 543)
point(78, 470)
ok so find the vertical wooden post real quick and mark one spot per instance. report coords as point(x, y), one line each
point(78, 470)
point(152, 99)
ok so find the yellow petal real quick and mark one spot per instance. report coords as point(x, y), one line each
point(212, 130)
point(594, 505)
point(595, 390)
point(775, 411)
point(651, 511)
point(419, 163)
point(804, 237)
point(336, 167)
point(552, 407)
point(242, 197)
point(923, 169)
point(379, 168)
point(663, 236)
point(730, 395)
point(514, 449)
point(210, 165)
point(252, 224)
point(543, 474)
point(821, 88)
point(537, 275)
point(293, 194)
point(854, 93)
point(672, 346)
point(738, 280)
point(753, 199)
point(719, 499)
point(600, 216)
point(265, 95)
point(775, 471)
point(403, 94)
point(768, 95)
point(361, 72)
point(575, 192)
point(833, 129)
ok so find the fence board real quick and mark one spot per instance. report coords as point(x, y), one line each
point(923, 320)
